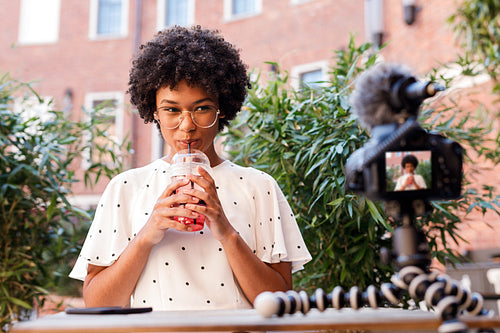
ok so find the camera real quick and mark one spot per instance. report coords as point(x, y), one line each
point(402, 163)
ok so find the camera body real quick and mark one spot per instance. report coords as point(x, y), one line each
point(374, 170)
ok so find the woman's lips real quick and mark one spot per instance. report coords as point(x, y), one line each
point(187, 143)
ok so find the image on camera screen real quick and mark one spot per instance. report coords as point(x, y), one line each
point(408, 170)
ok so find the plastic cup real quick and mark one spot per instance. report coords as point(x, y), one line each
point(183, 163)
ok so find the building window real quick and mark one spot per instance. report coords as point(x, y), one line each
point(39, 21)
point(313, 75)
point(108, 18)
point(374, 22)
point(312, 78)
point(109, 107)
point(238, 9)
point(175, 12)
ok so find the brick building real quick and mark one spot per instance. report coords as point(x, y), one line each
point(79, 51)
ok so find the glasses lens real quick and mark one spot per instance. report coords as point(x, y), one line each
point(170, 119)
point(205, 117)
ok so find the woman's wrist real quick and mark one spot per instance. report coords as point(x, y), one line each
point(230, 238)
point(143, 242)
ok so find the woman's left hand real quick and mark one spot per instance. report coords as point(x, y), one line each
point(215, 218)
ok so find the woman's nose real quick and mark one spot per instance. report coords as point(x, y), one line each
point(187, 123)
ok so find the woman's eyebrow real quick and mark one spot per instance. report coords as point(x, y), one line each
point(168, 101)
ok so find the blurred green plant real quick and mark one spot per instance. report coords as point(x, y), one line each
point(303, 139)
point(39, 152)
point(476, 25)
point(477, 29)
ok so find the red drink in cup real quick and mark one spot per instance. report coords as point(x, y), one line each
point(195, 223)
point(183, 163)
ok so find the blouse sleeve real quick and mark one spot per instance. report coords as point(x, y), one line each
point(399, 183)
point(110, 231)
point(420, 182)
point(280, 238)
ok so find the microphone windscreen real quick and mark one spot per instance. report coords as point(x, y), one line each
point(370, 100)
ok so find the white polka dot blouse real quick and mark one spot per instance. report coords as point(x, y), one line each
point(189, 270)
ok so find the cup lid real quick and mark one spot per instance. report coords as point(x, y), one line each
point(186, 162)
point(193, 156)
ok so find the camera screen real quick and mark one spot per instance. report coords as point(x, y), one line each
point(408, 170)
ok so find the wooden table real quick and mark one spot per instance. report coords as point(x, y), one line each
point(372, 320)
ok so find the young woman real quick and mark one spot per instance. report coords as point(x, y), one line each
point(410, 181)
point(191, 83)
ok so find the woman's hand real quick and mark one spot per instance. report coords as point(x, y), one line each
point(170, 203)
point(215, 217)
point(408, 182)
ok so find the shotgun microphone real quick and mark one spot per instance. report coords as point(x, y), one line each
point(389, 94)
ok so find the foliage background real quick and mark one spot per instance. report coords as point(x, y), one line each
point(303, 139)
point(40, 227)
point(477, 29)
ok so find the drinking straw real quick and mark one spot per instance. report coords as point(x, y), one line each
point(190, 160)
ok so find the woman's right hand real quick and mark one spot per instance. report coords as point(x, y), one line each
point(169, 204)
point(410, 180)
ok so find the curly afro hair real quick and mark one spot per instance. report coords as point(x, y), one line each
point(409, 159)
point(199, 56)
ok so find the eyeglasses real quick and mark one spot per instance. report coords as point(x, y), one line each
point(203, 116)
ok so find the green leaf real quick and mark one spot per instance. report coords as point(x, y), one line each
point(20, 303)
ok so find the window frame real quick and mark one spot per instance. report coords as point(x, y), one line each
point(228, 11)
point(161, 6)
point(297, 71)
point(90, 98)
point(94, 21)
point(23, 33)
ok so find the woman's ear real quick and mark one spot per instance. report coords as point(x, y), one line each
point(155, 117)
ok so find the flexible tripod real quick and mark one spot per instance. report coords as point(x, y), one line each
point(412, 259)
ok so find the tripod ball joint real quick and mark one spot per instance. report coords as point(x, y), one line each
point(268, 304)
point(405, 276)
point(279, 303)
point(453, 326)
point(476, 305)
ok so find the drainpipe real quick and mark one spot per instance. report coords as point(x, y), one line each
point(137, 42)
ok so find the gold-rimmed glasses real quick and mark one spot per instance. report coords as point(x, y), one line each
point(203, 116)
